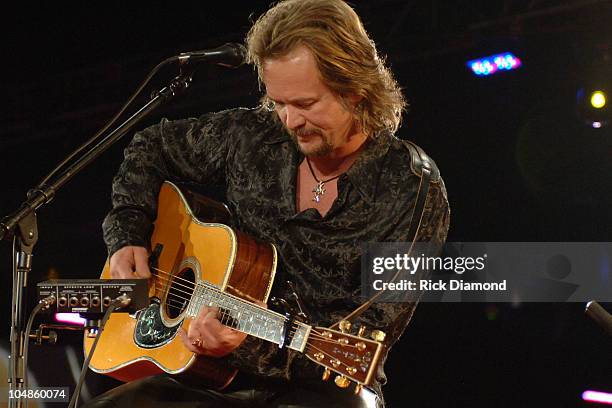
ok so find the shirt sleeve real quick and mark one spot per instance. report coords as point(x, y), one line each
point(190, 150)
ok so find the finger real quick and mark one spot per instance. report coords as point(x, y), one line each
point(187, 342)
point(204, 310)
point(205, 313)
point(141, 259)
point(198, 321)
point(194, 332)
point(122, 270)
point(212, 331)
point(210, 321)
point(211, 312)
point(195, 339)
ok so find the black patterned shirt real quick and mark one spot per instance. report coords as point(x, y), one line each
point(249, 154)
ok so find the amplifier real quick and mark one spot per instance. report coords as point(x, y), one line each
point(93, 295)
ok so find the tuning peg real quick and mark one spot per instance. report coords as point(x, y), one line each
point(358, 388)
point(361, 331)
point(326, 374)
point(345, 326)
point(378, 335)
point(341, 381)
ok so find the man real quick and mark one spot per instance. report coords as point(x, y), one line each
point(315, 170)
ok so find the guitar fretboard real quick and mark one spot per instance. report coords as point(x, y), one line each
point(249, 318)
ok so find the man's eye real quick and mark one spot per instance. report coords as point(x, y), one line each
point(305, 105)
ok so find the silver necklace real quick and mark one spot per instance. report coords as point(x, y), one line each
point(319, 190)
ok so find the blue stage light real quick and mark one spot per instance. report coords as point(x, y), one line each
point(495, 63)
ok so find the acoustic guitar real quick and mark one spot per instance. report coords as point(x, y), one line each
point(198, 260)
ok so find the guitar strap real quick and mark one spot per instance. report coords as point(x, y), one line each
point(425, 167)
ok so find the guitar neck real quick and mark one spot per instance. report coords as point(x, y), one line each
point(250, 318)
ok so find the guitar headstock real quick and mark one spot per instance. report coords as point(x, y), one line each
point(354, 358)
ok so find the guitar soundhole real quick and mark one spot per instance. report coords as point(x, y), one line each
point(179, 293)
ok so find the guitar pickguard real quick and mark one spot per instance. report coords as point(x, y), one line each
point(150, 331)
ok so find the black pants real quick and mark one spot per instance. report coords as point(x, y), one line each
point(163, 391)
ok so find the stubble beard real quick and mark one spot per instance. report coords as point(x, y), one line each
point(321, 149)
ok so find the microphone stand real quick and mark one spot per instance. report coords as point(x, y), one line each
point(22, 224)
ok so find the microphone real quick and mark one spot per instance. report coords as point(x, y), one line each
point(231, 55)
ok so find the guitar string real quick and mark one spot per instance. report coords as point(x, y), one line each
point(293, 331)
point(166, 280)
point(188, 291)
point(163, 279)
point(226, 315)
point(225, 319)
point(175, 301)
point(226, 312)
point(314, 334)
point(175, 289)
point(191, 285)
point(331, 341)
point(319, 338)
point(178, 290)
point(311, 337)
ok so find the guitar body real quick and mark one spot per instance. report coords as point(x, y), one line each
point(190, 244)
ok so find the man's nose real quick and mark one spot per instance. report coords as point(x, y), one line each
point(293, 118)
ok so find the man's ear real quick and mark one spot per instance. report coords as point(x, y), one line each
point(354, 99)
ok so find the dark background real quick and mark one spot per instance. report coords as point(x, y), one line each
point(518, 161)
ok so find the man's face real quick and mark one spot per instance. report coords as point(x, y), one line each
point(314, 116)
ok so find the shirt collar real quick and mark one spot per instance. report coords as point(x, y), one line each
point(365, 173)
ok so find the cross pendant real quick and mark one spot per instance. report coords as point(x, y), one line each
point(318, 191)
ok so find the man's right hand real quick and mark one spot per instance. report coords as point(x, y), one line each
point(130, 262)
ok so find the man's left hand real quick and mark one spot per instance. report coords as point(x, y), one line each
point(209, 337)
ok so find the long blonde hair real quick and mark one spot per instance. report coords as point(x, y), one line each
point(345, 55)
